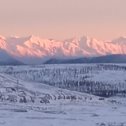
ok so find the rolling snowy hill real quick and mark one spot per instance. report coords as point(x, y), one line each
point(26, 101)
point(104, 80)
point(117, 58)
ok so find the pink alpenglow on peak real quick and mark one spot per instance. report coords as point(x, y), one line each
point(84, 46)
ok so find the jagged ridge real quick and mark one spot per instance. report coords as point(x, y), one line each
point(36, 47)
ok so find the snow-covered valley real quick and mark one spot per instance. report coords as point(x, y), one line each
point(63, 95)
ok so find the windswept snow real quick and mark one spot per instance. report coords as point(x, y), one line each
point(27, 101)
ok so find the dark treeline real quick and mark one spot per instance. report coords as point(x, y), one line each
point(91, 87)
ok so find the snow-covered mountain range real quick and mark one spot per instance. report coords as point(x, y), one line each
point(35, 47)
point(6, 59)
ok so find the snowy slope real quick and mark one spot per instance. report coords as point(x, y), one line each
point(16, 88)
point(113, 74)
point(64, 107)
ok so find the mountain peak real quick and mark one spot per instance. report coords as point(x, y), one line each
point(2, 37)
point(120, 40)
point(33, 38)
point(34, 46)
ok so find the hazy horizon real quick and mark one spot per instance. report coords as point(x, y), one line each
point(27, 36)
point(60, 19)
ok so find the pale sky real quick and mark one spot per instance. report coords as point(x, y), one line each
point(59, 19)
